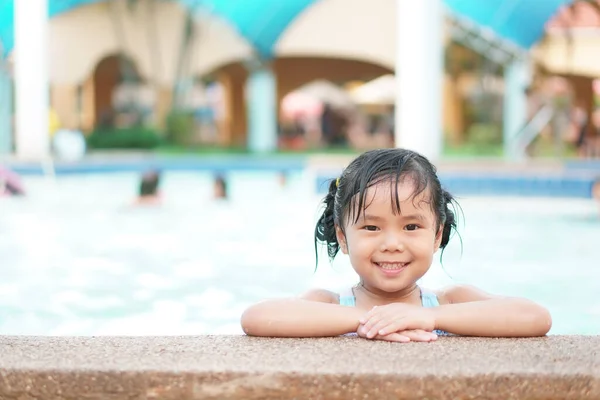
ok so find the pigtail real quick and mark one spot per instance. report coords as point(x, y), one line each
point(449, 215)
point(325, 229)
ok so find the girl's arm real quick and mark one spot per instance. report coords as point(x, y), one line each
point(472, 312)
point(317, 313)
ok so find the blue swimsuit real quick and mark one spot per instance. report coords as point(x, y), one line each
point(428, 300)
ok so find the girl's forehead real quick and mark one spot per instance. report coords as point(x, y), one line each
point(405, 191)
point(383, 197)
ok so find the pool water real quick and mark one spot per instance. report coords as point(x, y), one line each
point(76, 258)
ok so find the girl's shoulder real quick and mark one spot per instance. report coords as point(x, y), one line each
point(321, 295)
point(461, 294)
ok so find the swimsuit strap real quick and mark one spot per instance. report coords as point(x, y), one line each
point(347, 298)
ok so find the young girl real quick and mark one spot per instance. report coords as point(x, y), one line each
point(390, 215)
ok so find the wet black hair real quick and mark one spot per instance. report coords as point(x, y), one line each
point(373, 167)
point(149, 183)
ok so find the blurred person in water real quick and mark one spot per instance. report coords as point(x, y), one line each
point(220, 188)
point(596, 192)
point(148, 191)
point(282, 179)
point(10, 183)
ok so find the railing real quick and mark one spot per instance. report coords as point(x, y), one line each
point(523, 138)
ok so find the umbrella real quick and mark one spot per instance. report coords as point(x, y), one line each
point(381, 91)
point(298, 104)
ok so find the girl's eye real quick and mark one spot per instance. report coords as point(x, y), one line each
point(370, 228)
point(411, 227)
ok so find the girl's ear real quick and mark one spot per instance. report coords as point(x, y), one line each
point(341, 238)
point(438, 238)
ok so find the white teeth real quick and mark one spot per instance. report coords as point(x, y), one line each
point(391, 266)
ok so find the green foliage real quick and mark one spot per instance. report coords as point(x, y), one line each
point(124, 138)
point(484, 134)
point(180, 127)
point(471, 151)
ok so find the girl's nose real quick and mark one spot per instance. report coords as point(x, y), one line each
point(392, 242)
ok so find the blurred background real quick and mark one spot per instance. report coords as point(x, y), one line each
point(162, 161)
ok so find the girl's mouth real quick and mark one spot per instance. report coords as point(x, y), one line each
point(391, 268)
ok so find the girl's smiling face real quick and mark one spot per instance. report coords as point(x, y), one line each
point(391, 250)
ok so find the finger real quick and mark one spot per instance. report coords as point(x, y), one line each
point(393, 337)
point(429, 333)
point(395, 325)
point(385, 327)
point(363, 319)
point(361, 331)
point(374, 329)
point(419, 335)
point(373, 321)
point(381, 319)
point(373, 312)
point(370, 314)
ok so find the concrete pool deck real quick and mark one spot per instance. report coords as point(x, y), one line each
point(240, 367)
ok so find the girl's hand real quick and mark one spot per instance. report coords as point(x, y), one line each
point(416, 335)
point(396, 318)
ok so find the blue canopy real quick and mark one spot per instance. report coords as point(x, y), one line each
point(262, 22)
point(518, 21)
